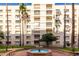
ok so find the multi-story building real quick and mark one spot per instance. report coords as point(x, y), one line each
point(43, 18)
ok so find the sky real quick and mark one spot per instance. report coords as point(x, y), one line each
point(39, 1)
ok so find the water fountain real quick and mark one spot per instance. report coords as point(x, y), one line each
point(39, 52)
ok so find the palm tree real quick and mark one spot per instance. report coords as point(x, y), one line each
point(24, 15)
point(7, 27)
point(64, 46)
point(78, 35)
point(57, 20)
point(73, 23)
point(20, 28)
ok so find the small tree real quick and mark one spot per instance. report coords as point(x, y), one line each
point(48, 38)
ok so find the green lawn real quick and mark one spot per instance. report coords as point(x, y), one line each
point(3, 48)
point(70, 49)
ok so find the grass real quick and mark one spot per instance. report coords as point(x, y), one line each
point(70, 49)
point(3, 48)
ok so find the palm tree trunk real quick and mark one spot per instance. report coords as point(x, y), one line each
point(7, 27)
point(22, 33)
point(73, 23)
point(78, 38)
point(78, 34)
point(20, 27)
point(64, 46)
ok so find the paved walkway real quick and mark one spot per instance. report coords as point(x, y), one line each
point(60, 53)
point(54, 53)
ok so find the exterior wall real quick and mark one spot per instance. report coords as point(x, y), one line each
point(39, 25)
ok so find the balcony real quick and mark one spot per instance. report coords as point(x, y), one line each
point(48, 30)
point(48, 6)
point(48, 18)
point(36, 18)
point(36, 12)
point(49, 12)
point(48, 24)
point(36, 6)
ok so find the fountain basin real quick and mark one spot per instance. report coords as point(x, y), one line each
point(39, 52)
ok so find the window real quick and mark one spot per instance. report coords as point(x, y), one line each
point(1, 16)
point(48, 18)
point(49, 12)
point(1, 11)
point(48, 6)
point(58, 37)
point(67, 30)
point(9, 42)
point(36, 42)
point(37, 12)
point(49, 30)
point(37, 24)
point(67, 37)
point(9, 21)
point(8, 26)
point(28, 42)
point(37, 18)
point(9, 10)
point(66, 10)
point(58, 12)
point(37, 36)
point(0, 42)
point(17, 37)
point(17, 26)
point(17, 10)
point(67, 26)
point(36, 31)
point(36, 6)
point(67, 15)
point(75, 37)
point(17, 32)
point(17, 21)
point(28, 31)
point(28, 26)
point(9, 33)
point(67, 21)
point(28, 37)
point(1, 27)
point(67, 43)
point(49, 24)
point(8, 16)
point(17, 16)
point(8, 36)
point(57, 42)
point(1, 21)
point(17, 42)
